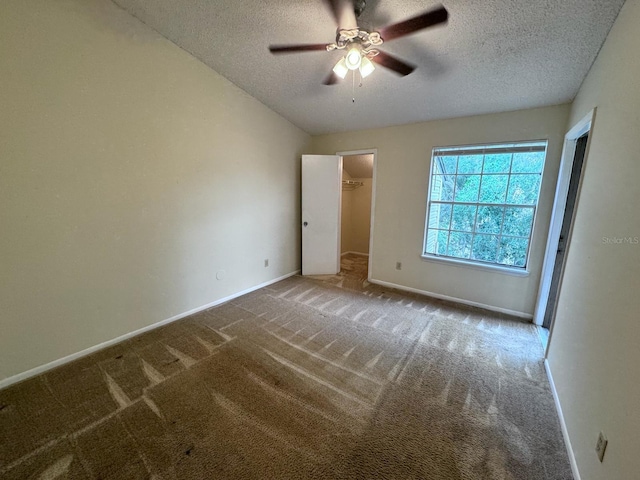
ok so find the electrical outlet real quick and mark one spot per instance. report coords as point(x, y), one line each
point(266, 262)
point(601, 446)
point(398, 265)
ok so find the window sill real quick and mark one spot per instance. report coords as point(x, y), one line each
point(516, 272)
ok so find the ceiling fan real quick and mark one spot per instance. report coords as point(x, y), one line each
point(362, 46)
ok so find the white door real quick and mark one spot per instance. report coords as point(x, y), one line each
point(321, 197)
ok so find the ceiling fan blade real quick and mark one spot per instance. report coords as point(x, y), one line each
point(393, 63)
point(331, 79)
point(343, 13)
point(277, 49)
point(420, 22)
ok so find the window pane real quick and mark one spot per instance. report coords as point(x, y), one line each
point(463, 218)
point(437, 242)
point(436, 187)
point(517, 221)
point(470, 164)
point(467, 188)
point(432, 237)
point(459, 245)
point(446, 165)
point(485, 248)
point(523, 189)
point(439, 215)
point(513, 251)
point(489, 219)
point(442, 188)
point(443, 238)
point(531, 162)
point(434, 215)
point(445, 216)
point(499, 163)
point(493, 188)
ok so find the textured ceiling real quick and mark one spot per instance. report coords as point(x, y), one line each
point(493, 56)
point(358, 166)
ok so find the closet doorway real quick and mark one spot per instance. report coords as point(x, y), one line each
point(358, 193)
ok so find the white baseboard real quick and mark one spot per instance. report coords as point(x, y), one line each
point(74, 356)
point(563, 425)
point(355, 253)
point(492, 308)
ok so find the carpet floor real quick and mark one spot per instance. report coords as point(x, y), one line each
point(309, 378)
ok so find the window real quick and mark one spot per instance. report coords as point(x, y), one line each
point(482, 202)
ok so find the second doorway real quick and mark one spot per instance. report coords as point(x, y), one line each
point(357, 194)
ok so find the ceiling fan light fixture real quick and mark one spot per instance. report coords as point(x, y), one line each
point(361, 45)
point(366, 67)
point(341, 69)
point(353, 58)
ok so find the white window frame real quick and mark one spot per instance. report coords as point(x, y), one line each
point(469, 262)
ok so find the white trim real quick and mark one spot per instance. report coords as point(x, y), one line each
point(492, 308)
point(82, 353)
point(355, 253)
point(563, 425)
point(557, 216)
point(374, 152)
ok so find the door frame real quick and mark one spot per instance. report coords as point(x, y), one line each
point(374, 152)
point(585, 125)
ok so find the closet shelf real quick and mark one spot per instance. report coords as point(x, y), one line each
point(351, 184)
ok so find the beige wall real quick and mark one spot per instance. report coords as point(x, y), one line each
point(361, 216)
point(403, 160)
point(594, 352)
point(345, 219)
point(130, 174)
point(356, 216)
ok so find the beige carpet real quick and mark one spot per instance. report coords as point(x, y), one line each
point(302, 379)
point(353, 273)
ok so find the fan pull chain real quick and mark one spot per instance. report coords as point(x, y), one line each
point(353, 87)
